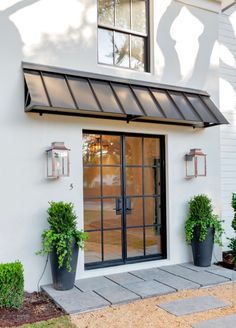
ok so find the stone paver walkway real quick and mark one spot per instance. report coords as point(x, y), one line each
point(94, 293)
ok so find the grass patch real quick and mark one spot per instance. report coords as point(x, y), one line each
point(61, 322)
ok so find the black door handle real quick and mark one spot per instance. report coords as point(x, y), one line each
point(118, 205)
point(128, 207)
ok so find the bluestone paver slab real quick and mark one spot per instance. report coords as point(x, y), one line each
point(228, 321)
point(214, 269)
point(75, 301)
point(192, 305)
point(117, 294)
point(95, 283)
point(146, 274)
point(166, 278)
point(175, 282)
point(124, 278)
point(227, 273)
point(193, 267)
point(149, 288)
point(201, 277)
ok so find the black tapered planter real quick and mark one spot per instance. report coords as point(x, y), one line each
point(61, 277)
point(202, 250)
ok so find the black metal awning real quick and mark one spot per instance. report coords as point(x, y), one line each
point(56, 91)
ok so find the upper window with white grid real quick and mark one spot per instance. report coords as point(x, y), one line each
point(123, 33)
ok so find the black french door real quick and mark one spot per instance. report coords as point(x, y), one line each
point(124, 198)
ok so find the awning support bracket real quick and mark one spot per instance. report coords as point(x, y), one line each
point(130, 118)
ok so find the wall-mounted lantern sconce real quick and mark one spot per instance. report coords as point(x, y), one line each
point(58, 161)
point(195, 163)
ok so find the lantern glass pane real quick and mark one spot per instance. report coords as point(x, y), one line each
point(60, 165)
point(49, 163)
point(190, 169)
point(201, 165)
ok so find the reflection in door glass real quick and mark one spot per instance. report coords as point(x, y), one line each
point(111, 216)
point(152, 211)
point(152, 180)
point(133, 181)
point(134, 242)
point(133, 151)
point(110, 150)
point(112, 245)
point(93, 247)
point(151, 151)
point(134, 211)
point(92, 181)
point(91, 149)
point(92, 214)
point(111, 181)
point(152, 241)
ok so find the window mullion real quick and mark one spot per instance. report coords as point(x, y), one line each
point(129, 50)
point(130, 3)
point(114, 13)
point(122, 30)
point(130, 6)
point(114, 47)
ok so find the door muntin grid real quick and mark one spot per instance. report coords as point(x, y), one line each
point(123, 198)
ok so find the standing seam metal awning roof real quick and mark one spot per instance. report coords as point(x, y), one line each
point(56, 91)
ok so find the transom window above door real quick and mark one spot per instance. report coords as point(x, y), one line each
point(123, 33)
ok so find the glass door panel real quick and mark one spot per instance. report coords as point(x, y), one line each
point(111, 150)
point(92, 181)
point(112, 245)
point(135, 246)
point(111, 214)
point(111, 183)
point(93, 251)
point(152, 213)
point(152, 241)
point(133, 180)
point(133, 151)
point(92, 214)
point(152, 181)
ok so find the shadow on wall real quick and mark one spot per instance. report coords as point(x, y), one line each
point(53, 40)
point(228, 64)
point(10, 60)
point(10, 39)
point(67, 37)
point(205, 38)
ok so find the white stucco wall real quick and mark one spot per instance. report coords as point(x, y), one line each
point(184, 52)
point(228, 107)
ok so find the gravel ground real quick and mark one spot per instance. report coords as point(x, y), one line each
point(146, 313)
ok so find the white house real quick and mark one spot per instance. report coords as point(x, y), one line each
point(227, 41)
point(130, 88)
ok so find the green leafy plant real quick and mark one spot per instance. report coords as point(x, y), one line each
point(232, 244)
point(62, 233)
point(201, 215)
point(11, 285)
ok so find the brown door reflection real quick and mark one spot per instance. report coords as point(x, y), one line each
point(122, 198)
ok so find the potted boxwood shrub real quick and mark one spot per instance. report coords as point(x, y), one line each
point(230, 258)
point(62, 241)
point(202, 229)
